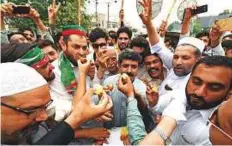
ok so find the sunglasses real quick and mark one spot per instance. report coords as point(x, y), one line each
point(28, 112)
point(121, 38)
point(101, 45)
point(210, 123)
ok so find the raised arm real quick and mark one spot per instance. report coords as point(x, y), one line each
point(157, 46)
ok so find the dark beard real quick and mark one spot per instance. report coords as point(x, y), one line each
point(205, 104)
point(71, 59)
point(20, 137)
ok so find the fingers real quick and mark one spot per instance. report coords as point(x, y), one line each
point(88, 95)
point(53, 3)
point(58, 7)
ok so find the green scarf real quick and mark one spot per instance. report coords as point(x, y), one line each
point(67, 74)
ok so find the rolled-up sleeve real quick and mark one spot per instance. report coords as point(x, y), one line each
point(165, 54)
point(135, 123)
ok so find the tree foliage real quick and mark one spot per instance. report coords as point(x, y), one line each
point(67, 14)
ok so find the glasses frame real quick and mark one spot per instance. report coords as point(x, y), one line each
point(27, 112)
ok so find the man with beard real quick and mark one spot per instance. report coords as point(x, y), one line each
point(128, 62)
point(185, 112)
point(30, 55)
point(69, 78)
point(63, 87)
point(24, 101)
point(180, 64)
point(124, 35)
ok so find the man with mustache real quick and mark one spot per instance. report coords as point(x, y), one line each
point(25, 99)
point(185, 111)
point(128, 62)
point(180, 64)
point(156, 72)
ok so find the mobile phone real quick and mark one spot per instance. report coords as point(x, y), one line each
point(224, 24)
point(21, 9)
point(200, 9)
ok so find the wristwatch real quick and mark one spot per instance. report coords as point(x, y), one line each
point(166, 139)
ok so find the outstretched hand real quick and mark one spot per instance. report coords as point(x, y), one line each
point(52, 12)
point(146, 15)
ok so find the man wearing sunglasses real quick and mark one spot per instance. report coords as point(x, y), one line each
point(98, 38)
point(185, 112)
point(24, 101)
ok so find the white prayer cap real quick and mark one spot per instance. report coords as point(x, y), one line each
point(16, 78)
point(197, 43)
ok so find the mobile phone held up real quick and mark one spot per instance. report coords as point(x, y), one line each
point(200, 9)
point(21, 9)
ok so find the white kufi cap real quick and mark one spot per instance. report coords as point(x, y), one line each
point(16, 78)
point(197, 43)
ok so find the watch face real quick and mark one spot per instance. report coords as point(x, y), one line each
point(168, 141)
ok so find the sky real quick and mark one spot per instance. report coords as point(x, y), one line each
point(131, 16)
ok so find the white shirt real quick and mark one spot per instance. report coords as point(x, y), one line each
point(172, 80)
point(192, 126)
point(62, 100)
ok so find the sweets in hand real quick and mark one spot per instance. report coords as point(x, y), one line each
point(124, 77)
point(154, 89)
point(99, 89)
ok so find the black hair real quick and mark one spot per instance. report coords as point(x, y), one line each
point(96, 34)
point(45, 43)
point(140, 41)
point(201, 34)
point(124, 30)
point(154, 54)
point(130, 55)
point(215, 61)
point(28, 29)
point(14, 33)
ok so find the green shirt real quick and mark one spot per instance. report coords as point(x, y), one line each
point(135, 123)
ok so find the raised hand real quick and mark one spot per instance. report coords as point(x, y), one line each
point(121, 14)
point(85, 110)
point(91, 70)
point(125, 86)
point(163, 28)
point(146, 15)
point(102, 58)
point(83, 65)
point(52, 12)
point(152, 96)
point(6, 9)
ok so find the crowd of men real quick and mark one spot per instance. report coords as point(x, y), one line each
point(179, 95)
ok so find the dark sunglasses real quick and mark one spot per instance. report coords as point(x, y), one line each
point(96, 46)
point(123, 38)
point(28, 112)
